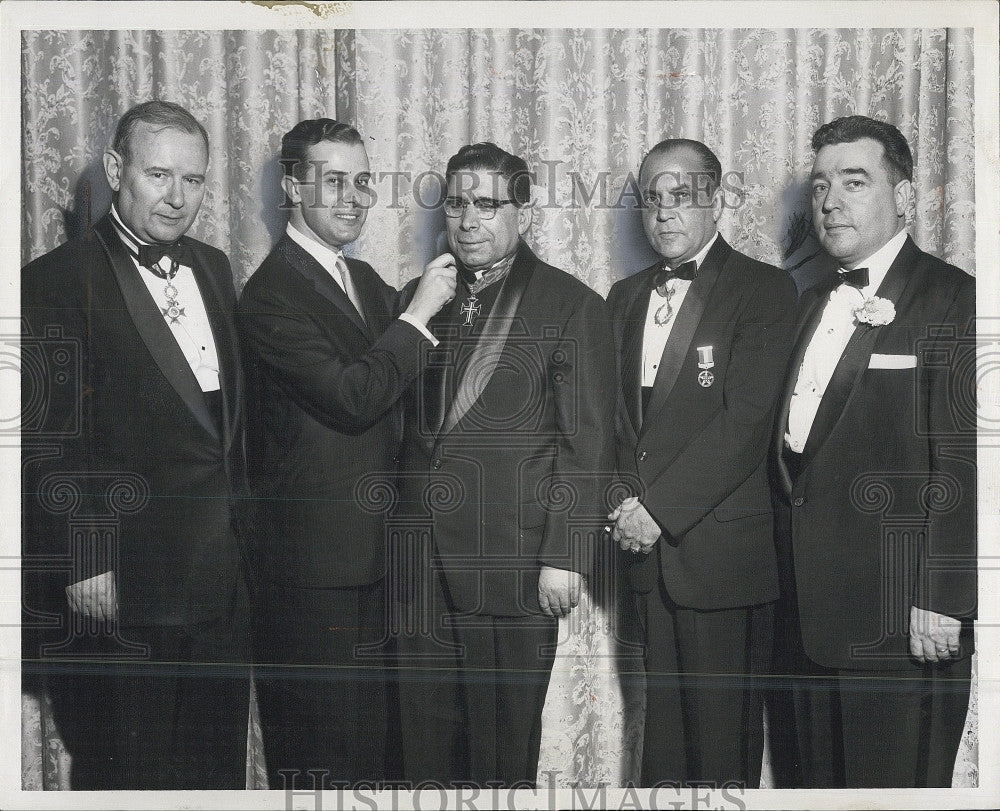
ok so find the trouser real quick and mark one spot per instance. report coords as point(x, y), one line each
point(704, 691)
point(174, 718)
point(320, 674)
point(471, 695)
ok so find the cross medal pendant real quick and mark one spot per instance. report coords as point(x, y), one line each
point(471, 309)
point(173, 310)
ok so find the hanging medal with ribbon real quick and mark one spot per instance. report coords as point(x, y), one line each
point(173, 310)
point(706, 362)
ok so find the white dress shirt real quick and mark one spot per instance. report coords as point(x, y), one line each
point(654, 336)
point(193, 330)
point(329, 259)
point(836, 326)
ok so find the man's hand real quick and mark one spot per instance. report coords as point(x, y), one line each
point(558, 591)
point(933, 637)
point(436, 288)
point(634, 529)
point(95, 597)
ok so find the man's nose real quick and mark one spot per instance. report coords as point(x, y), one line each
point(175, 194)
point(470, 217)
point(665, 212)
point(829, 200)
point(349, 194)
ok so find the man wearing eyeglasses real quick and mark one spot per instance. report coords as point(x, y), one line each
point(330, 363)
point(509, 433)
point(702, 339)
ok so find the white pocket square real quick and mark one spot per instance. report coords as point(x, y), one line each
point(892, 361)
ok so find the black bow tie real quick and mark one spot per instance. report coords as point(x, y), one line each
point(855, 278)
point(686, 271)
point(150, 256)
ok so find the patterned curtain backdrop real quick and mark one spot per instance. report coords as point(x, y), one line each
point(582, 106)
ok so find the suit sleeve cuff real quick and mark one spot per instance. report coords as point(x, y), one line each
point(409, 319)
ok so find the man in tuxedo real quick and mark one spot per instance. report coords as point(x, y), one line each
point(507, 444)
point(133, 475)
point(331, 361)
point(702, 339)
point(875, 454)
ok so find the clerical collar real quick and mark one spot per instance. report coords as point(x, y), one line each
point(700, 256)
point(878, 263)
point(323, 254)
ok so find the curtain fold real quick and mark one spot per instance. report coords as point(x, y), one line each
point(582, 106)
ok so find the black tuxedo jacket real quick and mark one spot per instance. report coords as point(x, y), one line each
point(883, 513)
point(125, 467)
point(698, 456)
point(509, 473)
point(326, 393)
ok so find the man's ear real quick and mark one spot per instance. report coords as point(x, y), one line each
point(291, 189)
point(718, 203)
point(903, 195)
point(114, 165)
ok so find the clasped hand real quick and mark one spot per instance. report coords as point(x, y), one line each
point(634, 528)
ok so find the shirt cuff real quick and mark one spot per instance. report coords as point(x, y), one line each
point(409, 319)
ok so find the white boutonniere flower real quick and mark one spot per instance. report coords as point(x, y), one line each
point(876, 312)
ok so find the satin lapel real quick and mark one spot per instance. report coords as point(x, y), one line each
point(635, 322)
point(152, 328)
point(230, 373)
point(688, 318)
point(856, 356)
point(305, 264)
point(484, 358)
point(808, 322)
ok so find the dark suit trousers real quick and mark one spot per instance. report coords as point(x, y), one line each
point(472, 689)
point(880, 729)
point(175, 718)
point(704, 696)
point(835, 728)
point(320, 674)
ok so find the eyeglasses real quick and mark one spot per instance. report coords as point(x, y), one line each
point(486, 207)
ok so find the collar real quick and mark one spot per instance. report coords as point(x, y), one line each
point(323, 254)
point(484, 278)
point(503, 264)
point(878, 263)
point(127, 235)
point(700, 256)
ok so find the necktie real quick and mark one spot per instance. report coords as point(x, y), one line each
point(179, 254)
point(687, 271)
point(345, 276)
point(855, 278)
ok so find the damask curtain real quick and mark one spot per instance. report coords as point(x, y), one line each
point(581, 106)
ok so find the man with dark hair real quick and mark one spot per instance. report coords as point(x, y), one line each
point(702, 339)
point(508, 440)
point(138, 491)
point(875, 450)
point(330, 362)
